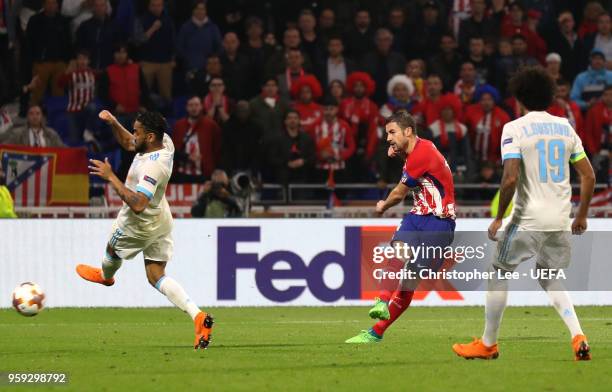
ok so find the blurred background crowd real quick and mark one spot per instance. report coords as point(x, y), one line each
point(289, 91)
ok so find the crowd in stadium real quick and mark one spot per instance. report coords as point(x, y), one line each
point(289, 90)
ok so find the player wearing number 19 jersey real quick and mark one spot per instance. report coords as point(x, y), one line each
point(537, 149)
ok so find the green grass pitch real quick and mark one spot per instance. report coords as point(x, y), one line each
point(287, 349)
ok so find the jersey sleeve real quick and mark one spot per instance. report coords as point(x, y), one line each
point(152, 174)
point(414, 168)
point(577, 152)
point(510, 144)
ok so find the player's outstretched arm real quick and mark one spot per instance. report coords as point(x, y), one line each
point(123, 136)
point(137, 201)
point(395, 197)
point(587, 185)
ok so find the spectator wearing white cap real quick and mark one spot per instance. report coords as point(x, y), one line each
point(400, 90)
point(553, 66)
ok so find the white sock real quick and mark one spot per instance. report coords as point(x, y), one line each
point(497, 295)
point(560, 300)
point(110, 265)
point(175, 293)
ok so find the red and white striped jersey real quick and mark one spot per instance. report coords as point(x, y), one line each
point(81, 89)
point(428, 173)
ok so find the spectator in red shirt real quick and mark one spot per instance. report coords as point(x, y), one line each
point(485, 121)
point(197, 140)
point(217, 105)
point(563, 106)
point(427, 111)
point(597, 136)
point(592, 10)
point(80, 81)
point(467, 83)
point(305, 91)
point(450, 135)
point(335, 143)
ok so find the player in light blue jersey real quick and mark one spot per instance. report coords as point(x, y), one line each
point(537, 149)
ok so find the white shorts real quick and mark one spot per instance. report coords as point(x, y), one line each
point(155, 248)
point(551, 248)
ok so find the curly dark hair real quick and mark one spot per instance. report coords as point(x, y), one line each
point(153, 122)
point(533, 87)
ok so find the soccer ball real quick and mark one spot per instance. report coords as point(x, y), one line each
point(28, 299)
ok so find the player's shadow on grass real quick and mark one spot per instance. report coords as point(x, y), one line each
point(254, 345)
point(530, 338)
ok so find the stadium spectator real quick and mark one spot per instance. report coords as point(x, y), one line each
point(335, 66)
point(197, 140)
point(426, 32)
point(536, 44)
point(602, 38)
point(7, 209)
point(489, 178)
point(467, 84)
point(415, 70)
point(427, 111)
point(447, 62)
point(450, 135)
point(398, 26)
point(310, 42)
point(508, 65)
point(198, 38)
point(8, 37)
point(294, 70)
point(327, 25)
point(514, 21)
point(400, 90)
point(292, 154)
point(216, 199)
point(305, 91)
point(241, 141)
point(154, 35)
point(217, 105)
point(485, 121)
point(123, 87)
point(34, 133)
point(358, 109)
point(268, 110)
point(256, 50)
point(590, 84)
point(48, 41)
point(483, 63)
point(198, 82)
point(553, 66)
point(592, 10)
point(98, 35)
point(563, 106)
point(565, 41)
point(597, 135)
point(80, 81)
point(278, 62)
point(383, 63)
point(335, 144)
point(336, 90)
point(78, 11)
point(359, 39)
point(236, 68)
point(477, 25)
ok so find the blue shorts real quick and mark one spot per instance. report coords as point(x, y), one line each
point(427, 231)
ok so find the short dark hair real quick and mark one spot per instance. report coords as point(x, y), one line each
point(403, 119)
point(153, 122)
point(533, 87)
point(289, 111)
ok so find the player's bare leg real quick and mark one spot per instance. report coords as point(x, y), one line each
point(562, 303)
point(104, 275)
point(486, 347)
point(169, 287)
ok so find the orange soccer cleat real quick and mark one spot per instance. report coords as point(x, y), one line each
point(582, 351)
point(203, 327)
point(476, 349)
point(93, 274)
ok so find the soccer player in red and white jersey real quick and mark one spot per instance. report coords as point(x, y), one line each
point(431, 222)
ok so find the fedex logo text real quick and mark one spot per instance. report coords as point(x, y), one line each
point(229, 261)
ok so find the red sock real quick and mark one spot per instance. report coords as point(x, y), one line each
point(400, 302)
point(388, 286)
